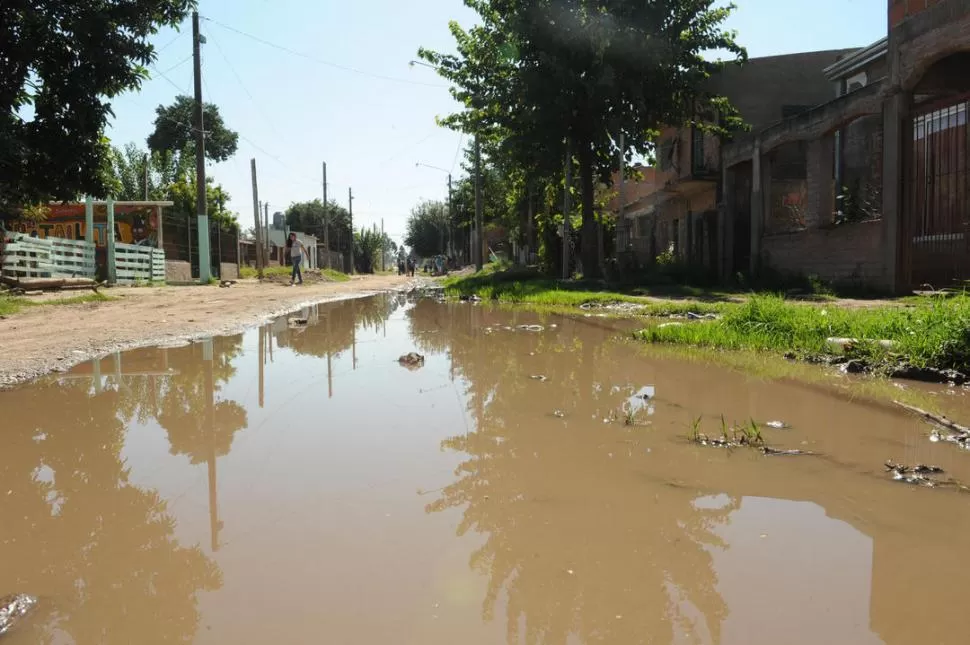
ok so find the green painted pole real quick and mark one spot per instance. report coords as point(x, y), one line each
point(205, 267)
point(88, 219)
point(110, 242)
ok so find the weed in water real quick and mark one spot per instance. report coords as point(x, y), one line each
point(695, 430)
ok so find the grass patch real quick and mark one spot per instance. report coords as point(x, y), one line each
point(933, 332)
point(523, 286)
point(278, 271)
point(335, 275)
point(10, 305)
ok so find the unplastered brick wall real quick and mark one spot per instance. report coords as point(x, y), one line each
point(900, 10)
point(847, 254)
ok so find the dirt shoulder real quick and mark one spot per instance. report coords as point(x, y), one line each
point(54, 338)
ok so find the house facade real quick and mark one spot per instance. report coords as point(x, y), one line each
point(886, 193)
point(855, 168)
point(676, 203)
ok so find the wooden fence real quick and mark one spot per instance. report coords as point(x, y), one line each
point(31, 257)
point(138, 264)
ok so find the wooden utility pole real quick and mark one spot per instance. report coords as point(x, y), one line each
point(205, 269)
point(621, 196)
point(257, 230)
point(350, 211)
point(567, 207)
point(479, 237)
point(266, 230)
point(326, 217)
point(383, 248)
point(451, 223)
point(146, 176)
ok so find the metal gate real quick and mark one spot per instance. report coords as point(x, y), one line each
point(937, 194)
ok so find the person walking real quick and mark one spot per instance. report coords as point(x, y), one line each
point(295, 250)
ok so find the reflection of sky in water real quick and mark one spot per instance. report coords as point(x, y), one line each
point(791, 574)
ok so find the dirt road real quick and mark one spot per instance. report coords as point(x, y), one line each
point(54, 338)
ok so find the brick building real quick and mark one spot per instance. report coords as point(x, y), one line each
point(885, 196)
point(674, 207)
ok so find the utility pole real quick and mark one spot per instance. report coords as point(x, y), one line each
point(350, 210)
point(146, 177)
point(451, 223)
point(567, 208)
point(620, 193)
point(383, 248)
point(205, 270)
point(266, 230)
point(478, 237)
point(326, 217)
point(257, 230)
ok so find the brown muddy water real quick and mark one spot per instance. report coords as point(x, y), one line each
point(295, 484)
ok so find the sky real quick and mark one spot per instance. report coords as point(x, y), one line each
point(305, 82)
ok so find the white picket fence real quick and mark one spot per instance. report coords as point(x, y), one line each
point(53, 257)
point(139, 264)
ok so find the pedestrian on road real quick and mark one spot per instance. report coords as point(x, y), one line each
point(295, 250)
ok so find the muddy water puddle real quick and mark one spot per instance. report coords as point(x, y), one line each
point(301, 484)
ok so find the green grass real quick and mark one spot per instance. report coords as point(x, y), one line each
point(285, 272)
point(10, 305)
point(933, 332)
point(521, 286)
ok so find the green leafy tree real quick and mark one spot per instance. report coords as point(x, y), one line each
point(367, 249)
point(128, 171)
point(550, 76)
point(309, 217)
point(61, 64)
point(174, 131)
point(427, 228)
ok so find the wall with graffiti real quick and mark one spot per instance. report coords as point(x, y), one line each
point(133, 224)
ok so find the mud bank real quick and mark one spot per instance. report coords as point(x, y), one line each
point(55, 338)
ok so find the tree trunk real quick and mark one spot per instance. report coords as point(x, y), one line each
point(588, 235)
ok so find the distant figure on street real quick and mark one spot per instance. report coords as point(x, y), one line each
point(295, 250)
point(411, 267)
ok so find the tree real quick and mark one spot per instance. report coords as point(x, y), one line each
point(174, 131)
point(547, 76)
point(128, 171)
point(170, 177)
point(367, 249)
point(427, 228)
point(61, 63)
point(309, 217)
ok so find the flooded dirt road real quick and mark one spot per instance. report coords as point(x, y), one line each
point(531, 482)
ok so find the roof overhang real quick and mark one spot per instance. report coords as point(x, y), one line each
point(857, 61)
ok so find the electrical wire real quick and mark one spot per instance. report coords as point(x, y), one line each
point(169, 43)
point(319, 60)
point(245, 89)
point(178, 64)
point(461, 140)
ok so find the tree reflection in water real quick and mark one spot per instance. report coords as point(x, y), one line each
point(99, 551)
point(578, 541)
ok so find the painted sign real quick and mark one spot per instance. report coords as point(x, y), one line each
point(133, 224)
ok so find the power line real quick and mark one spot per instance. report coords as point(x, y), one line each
point(181, 90)
point(461, 140)
point(232, 68)
point(179, 64)
point(170, 43)
point(319, 60)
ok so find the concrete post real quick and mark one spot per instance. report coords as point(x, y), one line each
point(760, 203)
point(896, 246)
point(89, 219)
point(725, 223)
point(110, 243)
point(820, 176)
